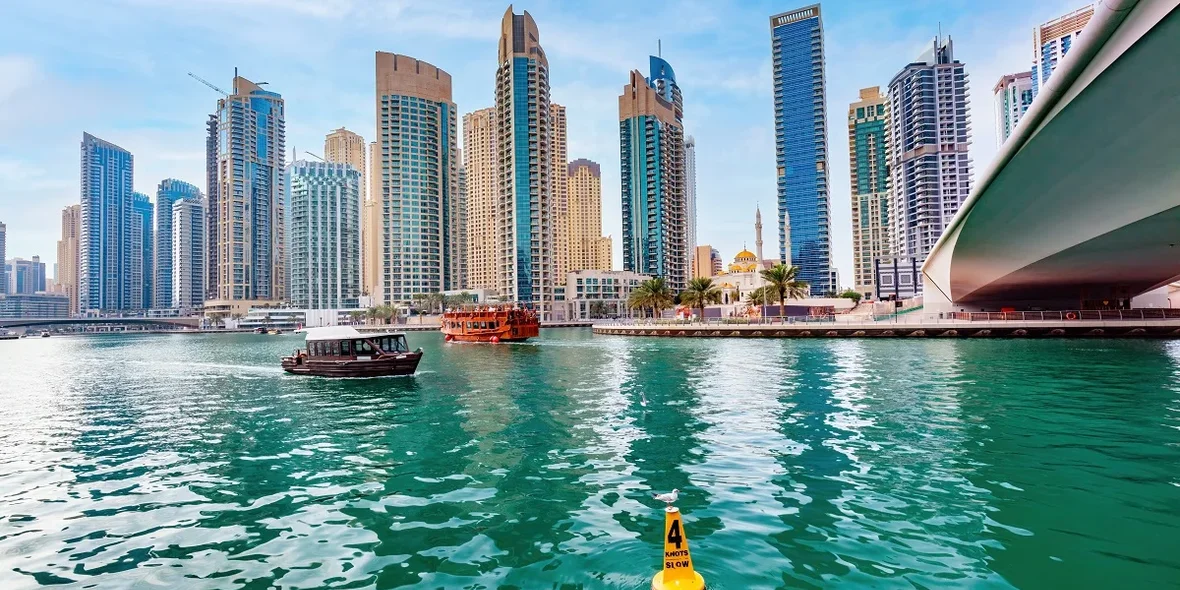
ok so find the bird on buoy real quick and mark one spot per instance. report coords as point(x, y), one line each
point(669, 497)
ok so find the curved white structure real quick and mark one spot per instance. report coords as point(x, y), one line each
point(1081, 205)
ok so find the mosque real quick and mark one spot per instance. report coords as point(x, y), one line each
point(744, 273)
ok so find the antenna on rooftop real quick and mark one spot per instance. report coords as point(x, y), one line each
point(659, 49)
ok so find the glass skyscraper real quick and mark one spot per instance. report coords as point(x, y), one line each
point(106, 255)
point(1013, 95)
point(655, 200)
point(324, 230)
point(1053, 40)
point(868, 155)
point(141, 246)
point(801, 145)
point(187, 250)
point(170, 191)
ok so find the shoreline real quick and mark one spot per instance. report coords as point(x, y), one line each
point(941, 329)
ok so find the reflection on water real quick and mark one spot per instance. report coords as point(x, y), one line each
point(192, 461)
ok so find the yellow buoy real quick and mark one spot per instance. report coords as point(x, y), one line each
point(678, 573)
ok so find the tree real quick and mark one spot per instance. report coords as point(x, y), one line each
point(652, 293)
point(372, 313)
point(758, 296)
point(356, 316)
point(852, 294)
point(782, 282)
point(700, 292)
point(216, 318)
point(597, 309)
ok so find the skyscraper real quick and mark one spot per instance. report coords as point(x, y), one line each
point(324, 235)
point(212, 208)
point(169, 192)
point(868, 162)
point(1052, 41)
point(249, 210)
point(690, 193)
point(187, 251)
point(461, 224)
point(526, 234)
point(142, 246)
point(651, 137)
point(483, 193)
point(371, 217)
point(342, 146)
point(25, 277)
point(929, 137)
point(106, 255)
point(584, 180)
point(559, 191)
point(3, 247)
point(801, 145)
point(1013, 94)
point(418, 164)
point(66, 274)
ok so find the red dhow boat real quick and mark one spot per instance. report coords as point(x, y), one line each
point(490, 323)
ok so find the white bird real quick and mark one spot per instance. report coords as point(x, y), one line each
point(642, 399)
point(668, 498)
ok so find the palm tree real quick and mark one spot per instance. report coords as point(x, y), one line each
point(653, 293)
point(371, 313)
point(700, 292)
point(782, 282)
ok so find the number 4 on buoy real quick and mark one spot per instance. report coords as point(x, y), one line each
point(678, 573)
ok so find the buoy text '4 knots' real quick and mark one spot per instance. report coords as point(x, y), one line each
point(678, 573)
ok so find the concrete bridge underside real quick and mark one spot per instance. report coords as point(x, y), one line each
point(41, 322)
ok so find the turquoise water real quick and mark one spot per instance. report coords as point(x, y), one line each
point(179, 461)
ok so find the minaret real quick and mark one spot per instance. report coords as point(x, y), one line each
point(786, 238)
point(758, 235)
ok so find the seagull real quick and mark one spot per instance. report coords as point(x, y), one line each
point(668, 498)
point(642, 399)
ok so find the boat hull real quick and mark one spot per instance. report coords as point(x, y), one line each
point(401, 364)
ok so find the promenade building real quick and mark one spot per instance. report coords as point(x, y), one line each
point(801, 145)
point(1013, 95)
point(868, 155)
point(187, 252)
point(421, 238)
point(480, 160)
point(25, 277)
point(66, 273)
point(1053, 40)
point(324, 235)
point(929, 138)
point(169, 192)
point(651, 137)
point(105, 247)
point(251, 153)
point(584, 224)
point(594, 294)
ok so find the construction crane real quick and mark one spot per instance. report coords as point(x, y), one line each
point(207, 83)
point(314, 156)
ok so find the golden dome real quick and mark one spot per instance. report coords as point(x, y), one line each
point(745, 256)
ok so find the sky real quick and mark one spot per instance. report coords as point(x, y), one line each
point(118, 69)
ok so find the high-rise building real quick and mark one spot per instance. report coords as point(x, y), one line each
point(651, 136)
point(105, 249)
point(801, 145)
point(525, 242)
point(371, 252)
point(25, 277)
point(702, 261)
point(584, 222)
point(483, 193)
point(342, 146)
point(169, 192)
point(251, 148)
point(1013, 95)
point(715, 257)
point(605, 253)
point(324, 235)
point(66, 270)
point(418, 163)
point(929, 137)
point(690, 192)
point(3, 271)
point(142, 246)
point(1052, 41)
point(212, 208)
point(559, 190)
point(187, 264)
point(461, 195)
point(868, 162)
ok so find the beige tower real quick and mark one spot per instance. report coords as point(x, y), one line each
point(584, 224)
point(483, 189)
point(371, 255)
point(67, 254)
point(605, 253)
point(559, 190)
point(868, 130)
point(345, 147)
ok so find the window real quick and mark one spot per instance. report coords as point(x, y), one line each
point(346, 348)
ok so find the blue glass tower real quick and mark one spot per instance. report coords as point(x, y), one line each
point(105, 252)
point(142, 246)
point(801, 145)
point(170, 191)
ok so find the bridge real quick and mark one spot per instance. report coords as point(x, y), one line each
point(1081, 206)
point(37, 322)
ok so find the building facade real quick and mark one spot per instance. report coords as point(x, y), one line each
point(143, 248)
point(706, 262)
point(929, 137)
point(251, 145)
point(584, 223)
point(651, 137)
point(3, 248)
point(187, 251)
point(801, 145)
point(168, 193)
point(371, 223)
point(418, 164)
point(594, 294)
point(483, 193)
point(105, 248)
point(868, 155)
point(559, 190)
point(212, 207)
point(1013, 95)
point(66, 275)
point(324, 235)
point(690, 194)
point(25, 277)
point(1053, 40)
point(39, 305)
point(526, 256)
point(342, 146)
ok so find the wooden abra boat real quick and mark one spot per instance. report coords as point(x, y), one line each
point(342, 351)
point(490, 323)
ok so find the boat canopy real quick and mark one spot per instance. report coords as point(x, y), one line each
point(343, 333)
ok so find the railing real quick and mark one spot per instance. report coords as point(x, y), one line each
point(1070, 315)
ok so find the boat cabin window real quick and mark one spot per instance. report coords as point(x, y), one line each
point(346, 348)
point(362, 347)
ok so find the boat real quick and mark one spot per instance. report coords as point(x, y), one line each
point(259, 330)
point(9, 336)
point(44, 333)
point(275, 332)
point(490, 323)
point(342, 351)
